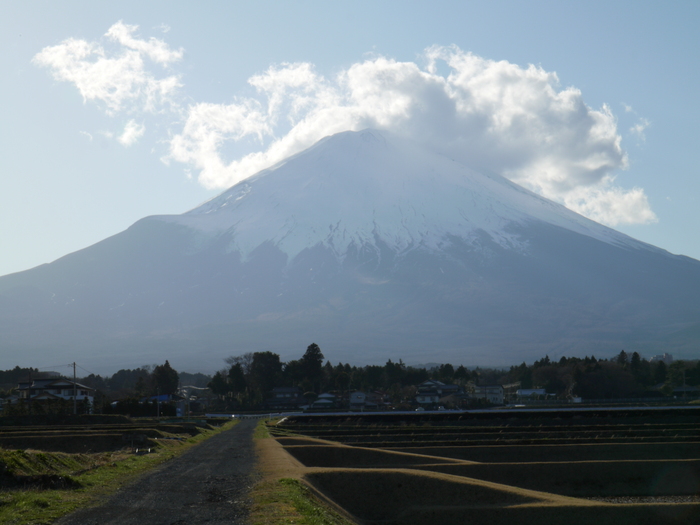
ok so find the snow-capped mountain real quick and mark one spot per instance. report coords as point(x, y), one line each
point(374, 248)
point(358, 189)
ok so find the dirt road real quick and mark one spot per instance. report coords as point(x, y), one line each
point(208, 484)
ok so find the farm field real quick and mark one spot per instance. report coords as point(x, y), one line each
point(89, 437)
point(547, 467)
point(48, 469)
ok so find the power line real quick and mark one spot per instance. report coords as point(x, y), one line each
point(88, 371)
point(69, 365)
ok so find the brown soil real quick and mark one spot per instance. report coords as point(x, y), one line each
point(356, 457)
point(455, 485)
point(275, 463)
point(603, 480)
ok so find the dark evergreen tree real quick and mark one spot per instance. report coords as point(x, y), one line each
point(461, 375)
point(219, 385)
point(447, 373)
point(265, 374)
point(236, 378)
point(675, 374)
point(635, 363)
point(393, 373)
point(312, 366)
point(165, 379)
point(622, 358)
point(692, 376)
point(292, 373)
point(660, 372)
point(125, 380)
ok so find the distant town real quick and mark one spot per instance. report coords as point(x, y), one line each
point(261, 381)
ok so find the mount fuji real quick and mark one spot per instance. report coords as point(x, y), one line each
point(371, 246)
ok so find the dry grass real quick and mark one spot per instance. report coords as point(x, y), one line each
point(288, 500)
point(357, 457)
point(281, 496)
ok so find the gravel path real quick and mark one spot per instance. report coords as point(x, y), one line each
point(208, 484)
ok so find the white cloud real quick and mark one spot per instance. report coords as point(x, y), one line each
point(611, 205)
point(132, 133)
point(493, 115)
point(639, 128)
point(155, 49)
point(119, 79)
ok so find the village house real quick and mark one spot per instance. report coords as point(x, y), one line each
point(365, 401)
point(665, 358)
point(325, 400)
point(286, 397)
point(530, 393)
point(51, 386)
point(431, 391)
point(491, 393)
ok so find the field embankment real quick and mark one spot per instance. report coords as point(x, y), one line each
point(608, 467)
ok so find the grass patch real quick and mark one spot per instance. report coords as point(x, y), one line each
point(290, 501)
point(287, 500)
point(99, 475)
point(262, 430)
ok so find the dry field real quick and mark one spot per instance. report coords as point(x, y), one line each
point(31, 454)
point(545, 467)
point(86, 438)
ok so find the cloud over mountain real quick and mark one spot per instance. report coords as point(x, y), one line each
point(494, 115)
point(116, 75)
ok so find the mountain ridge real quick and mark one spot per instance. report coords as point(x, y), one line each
point(384, 175)
point(265, 272)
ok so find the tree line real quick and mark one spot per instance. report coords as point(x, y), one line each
point(624, 376)
point(128, 386)
point(248, 379)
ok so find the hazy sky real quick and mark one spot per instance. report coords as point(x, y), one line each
point(115, 111)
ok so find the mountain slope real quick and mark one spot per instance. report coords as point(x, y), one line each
point(355, 187)
point(374, 249)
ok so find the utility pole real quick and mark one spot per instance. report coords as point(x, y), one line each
point(75, 393)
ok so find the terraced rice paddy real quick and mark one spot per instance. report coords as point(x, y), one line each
point(544, 467)
point(91, 438)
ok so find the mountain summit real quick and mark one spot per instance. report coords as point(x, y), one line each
point(360, 189)
point(374, 248)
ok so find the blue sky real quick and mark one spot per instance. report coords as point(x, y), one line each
point(213, 92)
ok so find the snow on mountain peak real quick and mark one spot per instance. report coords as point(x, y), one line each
point(356, 188)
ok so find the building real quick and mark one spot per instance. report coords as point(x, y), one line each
point(431, 391)
point(365, 401)
point(666, 358)
point(531, 393)
point(491, 393)
point(286, 397)
point(325, 400)
point(51, 386)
